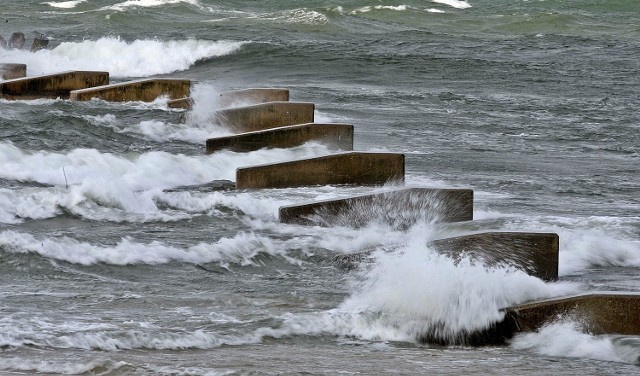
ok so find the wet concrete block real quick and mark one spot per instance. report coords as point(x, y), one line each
point(338, 136)
point(184, 103)
point(534, 253)
point(251, 96)
point(598, 313)
point(345, 168)
point(265, 116)
point(242, 97)
point(400, 208)
point(146, 90)
point(52, 85)
point(12, 71)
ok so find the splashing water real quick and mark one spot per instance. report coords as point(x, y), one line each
point(140, 58)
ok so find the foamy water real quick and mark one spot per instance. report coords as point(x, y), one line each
point(565, 339)
point(138, 58)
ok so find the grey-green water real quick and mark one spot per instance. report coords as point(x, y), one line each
point(533, 104)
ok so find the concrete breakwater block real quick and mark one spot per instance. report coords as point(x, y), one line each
point(344, 168)
point(146, 90)
point(52, 85)
point(253, 96)
point(339, 136)
point(534, 253)
point(239, 97)
point(399, 207)
point(597, 313)
point(265, 116)
point(12, 71)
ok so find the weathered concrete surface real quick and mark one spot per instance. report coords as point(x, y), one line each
point(242, 97)
point(344, 168)
point(401, 208)
point(265, 116)
point(596, 313)
point(146, 90)
point(184, 103)
point(51, 85)
point(251, 96)
point(12, 71)
point(534, 253)
point(338, 136)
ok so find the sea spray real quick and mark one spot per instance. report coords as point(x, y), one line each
point(433, 297)
point(240, 249)
point(139, 58)
point(139, 171)
point(565, 339)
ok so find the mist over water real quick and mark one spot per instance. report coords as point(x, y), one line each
point(110, 266)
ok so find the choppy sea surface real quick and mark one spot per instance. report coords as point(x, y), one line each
point(107, 271)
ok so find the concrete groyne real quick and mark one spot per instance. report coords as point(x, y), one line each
point(146, 90)
point(265, 116)
point(58, 85)
point(534, 253)
point(596, 313)
point(241, 97)
point(399, 206)
point(336, 136)
point(269, 120)
point(345, 168)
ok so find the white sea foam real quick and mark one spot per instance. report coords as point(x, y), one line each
point(424, 293)
point(565, 339)
point(64, 4)
point(585, 242)
point(104, 186)
point(120, 58)
point(61, 367)
point(369, 8)
point(146, 4)
point(240, 249)
point(458, 4)
point(153, 170)
point(414, 294)
point(581, 249)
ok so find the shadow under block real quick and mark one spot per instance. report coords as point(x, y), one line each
point(146, 90)
point(534, 253)
point(52, 85)
point(345, 168)
point(597, 313)
point(265, 116)
point(399, 207)
point(338, 136)
point(13, 71)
